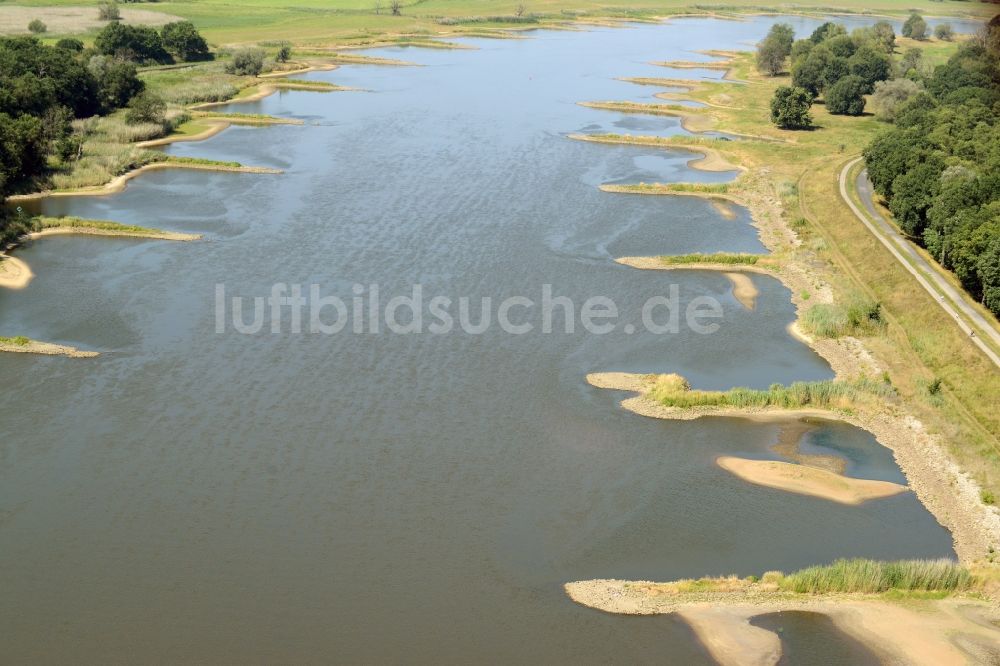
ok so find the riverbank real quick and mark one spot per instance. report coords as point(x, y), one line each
point(916, 631)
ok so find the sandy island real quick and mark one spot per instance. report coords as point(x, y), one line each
point(949, 631)
point(804, 480)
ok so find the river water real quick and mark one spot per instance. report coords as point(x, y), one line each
point(192, 495)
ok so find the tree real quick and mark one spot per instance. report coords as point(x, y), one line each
point(182, 40)
point(871, 65)
point(819, 69)
point(34, 77)
point(784, 35)
point(117, 81)
point(800, 49)
point(841, 46)
point(284, 52)
point(520, 10)
point(770, 57)
point(132, 42)
point(846, 96)
point(246, 62)
point(988, 272)
point(911, 64)
point(36, 26)
point(108, 11)
point(826, 31)
point(885, 36)
point(397, 7)
point(890, 96)
point(775, 48)
point(944, 32)
point(790, 108)
point(145, 108)
point(915, 27)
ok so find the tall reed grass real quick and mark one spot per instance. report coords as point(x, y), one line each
point(674, 391)
point(873, 576)
point(716, 258)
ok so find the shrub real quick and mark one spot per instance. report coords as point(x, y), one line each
point(70, 44)
point(36, 26)
point(108, 11)
point(846, 96)
point(284, 53)
point(859, 316)
point(246, 62)
point(145, 108)
point(988, 497)
point(790, 108)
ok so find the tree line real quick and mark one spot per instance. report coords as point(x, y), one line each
point(44, 88)
point(938, 167)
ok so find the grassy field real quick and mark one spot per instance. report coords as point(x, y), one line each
point(321, 22)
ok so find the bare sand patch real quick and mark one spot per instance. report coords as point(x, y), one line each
point(46, 349)
point(744, 290)
point(14, 273)
point(809, 481)
point(922, 632)
point(788, 446)
point(723, 208)
point(61, 20)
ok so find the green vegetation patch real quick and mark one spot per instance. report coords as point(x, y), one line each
point(860, 315)
point(875, 577)
point(716, 258)
point(672, 390)
point(19, 340)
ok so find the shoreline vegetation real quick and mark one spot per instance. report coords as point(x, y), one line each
point(827, 324)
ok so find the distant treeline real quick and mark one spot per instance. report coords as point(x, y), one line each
point(939, 166)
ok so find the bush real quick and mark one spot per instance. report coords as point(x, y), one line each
point(790, 108)
point(944, 32)
point(132, 42)
point(246, 62)
point(859, 316)
point(37, 27)
point(108, 11)
point(846, 96)
point(146, 108)
point(70, 44)
point(182, 40)
point(284, 53)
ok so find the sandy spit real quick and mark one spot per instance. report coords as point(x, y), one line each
point(655, 264)
point(948, 631)
point(47, 349)
point(806, 480)
point(14, 273)
point(95, 231)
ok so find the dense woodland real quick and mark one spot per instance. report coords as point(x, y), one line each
point(938, 167)
point(937, 164)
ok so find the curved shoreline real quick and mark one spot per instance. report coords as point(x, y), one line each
point(711, 159)
point(119, 183)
